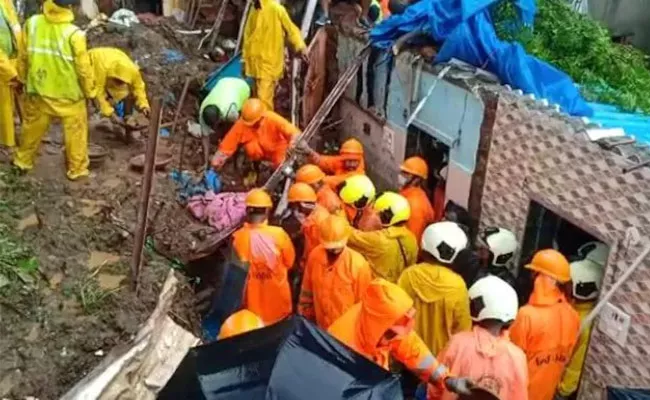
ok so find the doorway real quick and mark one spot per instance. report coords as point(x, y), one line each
point(436, 153)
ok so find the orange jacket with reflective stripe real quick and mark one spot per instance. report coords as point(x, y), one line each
point(270, 254)
point(546, 329)
point(422, 213)
point(364, 324)
point(330, 289)
point(266, 142)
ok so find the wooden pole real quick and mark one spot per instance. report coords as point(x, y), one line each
point(179, 107)
point(145, 193)
point(242, 25)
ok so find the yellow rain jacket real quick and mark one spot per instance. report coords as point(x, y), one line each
point(11, 43)
point(114, 63)
point(441, 301)
point(571, 377)
point(264, 34)
point(389, 250)
point(63, 100)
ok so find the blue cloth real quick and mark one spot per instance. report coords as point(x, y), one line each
point(465, 29)
point(231, 69)
point(188, 187)
point(119, 109)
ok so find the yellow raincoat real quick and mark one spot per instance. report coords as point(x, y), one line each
point(389, 250)
point(114, 63)
point(40, 109)
point(441, 300)
point(571, 377)
point(12, 36)
point(263, 50)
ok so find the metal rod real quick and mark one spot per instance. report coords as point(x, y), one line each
point(145, 193)
point(586, 322)
point(179, 107)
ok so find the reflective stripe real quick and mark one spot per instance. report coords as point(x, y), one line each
point(426, 364)
point(439, 373)
point(37, 50)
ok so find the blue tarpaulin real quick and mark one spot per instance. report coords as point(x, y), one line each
point(465, 30)
point(634, 124)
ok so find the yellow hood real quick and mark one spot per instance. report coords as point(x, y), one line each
point(124, 71)
point(431, 282)
point(56, 14)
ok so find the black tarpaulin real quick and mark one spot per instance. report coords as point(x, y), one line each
point(290, 360)
point(627, 394)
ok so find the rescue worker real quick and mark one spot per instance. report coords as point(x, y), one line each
point(414, 172)
point(239, 323)
point(11, 50)
point(371, 13)
point(335, 275)
point(393, 248)
point(357, 194)
point(269, 254)
point(326, 196)
point(439, 293)
point(586, 278)
point(221, 107)
point(347, 163)
point(485, 354)
point(496, 248)
point(439, 194)
point(546, 329)
point(116, 78)
point(59, 78)
point(302, 201)
point(380, 326)
point(265, 135)
point(267, 26)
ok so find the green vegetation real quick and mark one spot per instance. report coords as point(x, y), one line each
point(18, 263)
point(607, 72)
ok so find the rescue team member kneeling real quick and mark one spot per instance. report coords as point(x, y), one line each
point(268, 253)
point(546, 328)
point(485, 354)
point(265, 135)
point(381, 326)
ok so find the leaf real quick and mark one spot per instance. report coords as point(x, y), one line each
point(28, 264)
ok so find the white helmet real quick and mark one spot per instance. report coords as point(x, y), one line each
point(594, 251)
point(586, 277)
point(492, 298)
point(444, 240)
point(502, 245)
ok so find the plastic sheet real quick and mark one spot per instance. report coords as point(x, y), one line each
point(231, 69)
point(627, 394)
point(466, 32)
point(292, 359)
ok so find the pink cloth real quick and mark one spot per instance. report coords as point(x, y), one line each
point(493, 363)
point(221, 211)
point(264, 249)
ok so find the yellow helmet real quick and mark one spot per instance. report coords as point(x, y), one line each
point(357, 190)
point(392, 208)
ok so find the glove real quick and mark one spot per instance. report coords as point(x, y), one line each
point(218, 160)
point(459, 385)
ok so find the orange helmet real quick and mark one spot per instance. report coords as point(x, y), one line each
point(301, 192)
point(351, 147)
point(552, 263)
point(240, 322)
point(309, 174)
point(416, 166)
point(252, 111)
point(334, 232)
point(258, 198)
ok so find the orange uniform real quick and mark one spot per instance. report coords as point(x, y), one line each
point(362, 327)
point(270, 254)
point(491, 362)
point(366, 220)
point(311, 231)
point(328, 198)
point(267, 141)
point(439, 202)
point(334, 167)
point(546, 329)
point(330, 289)
point(422, 212)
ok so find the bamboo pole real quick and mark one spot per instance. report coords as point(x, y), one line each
point(145, 193)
